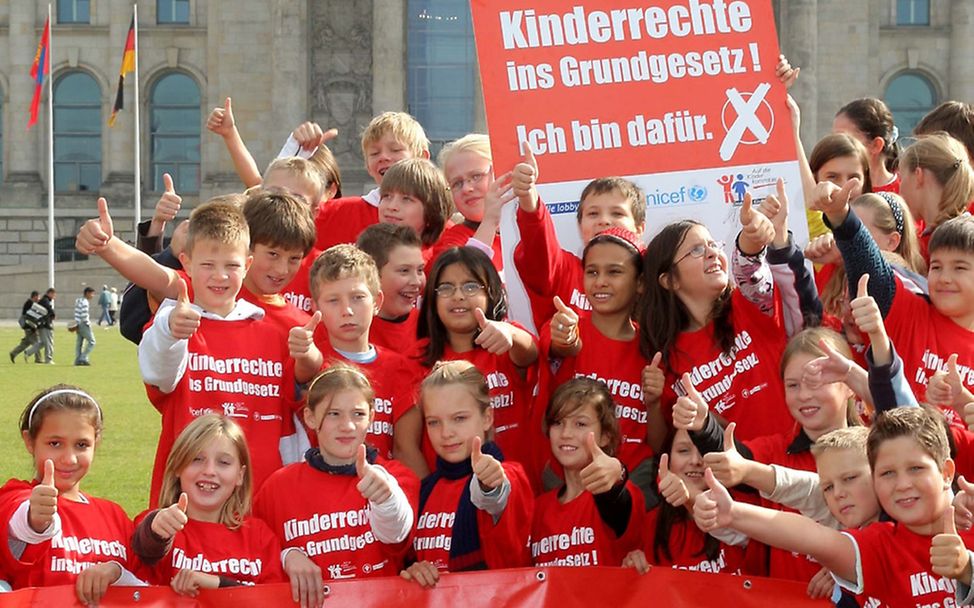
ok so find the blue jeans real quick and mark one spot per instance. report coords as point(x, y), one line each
point(82, 350)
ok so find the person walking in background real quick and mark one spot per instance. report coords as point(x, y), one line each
point(83, 320)
point(28, 322)
point(113, 306)
point(105, 301)
point(45, 330)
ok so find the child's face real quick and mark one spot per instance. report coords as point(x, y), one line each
point(453, 419)
point(818, 409)
point(703, 277)
point(606, 210)
point(211, 478)
point(610, 278)
point(840, 169)
point(67, 438)
point(293, 183)
point(347, 307)
point(384, 153)
point(469, 175)
point(340, 425)
point(685, 461)
point(217, 271)
point(457, 311)
point(843, 124)
point(886, 242)
point(402, 210)
point(568, 436)
point(951, 282)
point(910, 485)
point(272, 269)
point(402, 280)
point(847, 485)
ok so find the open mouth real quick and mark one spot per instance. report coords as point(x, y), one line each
point(601, 297)
point(207, 487)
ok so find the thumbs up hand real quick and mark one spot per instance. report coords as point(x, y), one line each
point(300, 339)
point(603, 472)
point(169, 203)
point(172, 519)
point(496, 337)
point(94, 235)
point(670, 485)
point(373, 483)
point(834, 201)
point(832, 367)
point(729, 467)
point(564, 327)
point(945, 386)
point(184, 320)
point(865, 312)
point(964, 504)
point(690, 410)
point(487, 469)
point(757, 231)
point(43, 500)
point(948, 555)
point(823, 250)
point(310, 136)
point(712, 509)
point(220, 120)
point(524, 179)
point(653, 380)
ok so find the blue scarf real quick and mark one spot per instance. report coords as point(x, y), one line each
point(316, 460)
point(465, 553)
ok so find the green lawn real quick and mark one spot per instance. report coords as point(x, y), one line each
point(123, 461)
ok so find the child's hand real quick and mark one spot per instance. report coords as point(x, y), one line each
point(307, 588)
point(169, 203)
point(653, 380)
point(424, 573)
point(189, 582)
point(832, 367)
point(865, 312)
point(775, 208)
point(172, 519)
point(636, 559)
point(309, 135)
point(821, 585)
point(757, 231)
point(300, 340)
point(499, 194)
point(964, 504)
point(712, 509)
point(786, 74)
point(969, 416)
point(564, 325)
point(822, 250)
point(690, 410)
point(944, 386)
point(948, 555)
point(496, 337)
point(184, 320)
point(373, 485)
point(487, 469)
point(524, 178)
point(727, 466)
point(220, 120)
point(671, 487)
point(834, 201)
point(94, 235)
point(43, 500)
point(93, 582)
point(604, 472)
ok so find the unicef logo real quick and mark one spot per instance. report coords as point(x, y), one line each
point(697, 193)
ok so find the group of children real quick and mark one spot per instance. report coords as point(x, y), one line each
point(343, 395)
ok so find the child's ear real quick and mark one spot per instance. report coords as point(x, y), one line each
point(240, 476)
point(949, 469)
point(666, 281)
point(876, 145)
point(250, 260)
point(379, 299)
point(488, 419)
point(920, 175)
point(185, 261)
point(309, 419)
point(425, 154)
point(28, 441)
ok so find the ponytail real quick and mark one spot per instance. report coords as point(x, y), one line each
point(946, 160)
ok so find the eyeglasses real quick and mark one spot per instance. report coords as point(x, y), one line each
point(469, 289)
point(700, 249)
point(473, 179)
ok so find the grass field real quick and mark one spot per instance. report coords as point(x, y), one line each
point(123, 461)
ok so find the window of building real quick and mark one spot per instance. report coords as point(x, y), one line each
point(77, 133)
point(172, 11)
point(175, 132)
point(909, 96)
point(442, 68)
point(73, 11)
point(912, 12)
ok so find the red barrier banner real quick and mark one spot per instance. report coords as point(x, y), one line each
point(562, 587)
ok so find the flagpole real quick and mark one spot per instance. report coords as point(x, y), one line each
point(50, 150)
point(138, 125)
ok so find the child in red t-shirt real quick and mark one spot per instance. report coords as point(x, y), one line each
point(414, 194)
point(475, 508)
point(345, 512)
point(50, 532)
point(596, 517)
point(206, 538)
point(463, 317)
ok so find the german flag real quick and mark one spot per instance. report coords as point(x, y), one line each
point(128, 65)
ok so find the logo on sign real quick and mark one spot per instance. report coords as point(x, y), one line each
point(683, 195)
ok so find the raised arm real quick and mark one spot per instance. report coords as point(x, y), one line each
point(222, 123)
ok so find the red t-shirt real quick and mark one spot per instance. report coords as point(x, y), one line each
point(342, 219)
point(251, 554)
point(545, 268)
point(393, 379)
point(504, 544)
point(397, 336)
point(327, 517)
point(573, 533)
point(242, 370)
point(893, 186)
point(92, 532)
point(686, 549)
point(283, 315)
point(619, 365)
point(457, 236)
point(298, 291)
point(895, 567)
point(744, 387)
